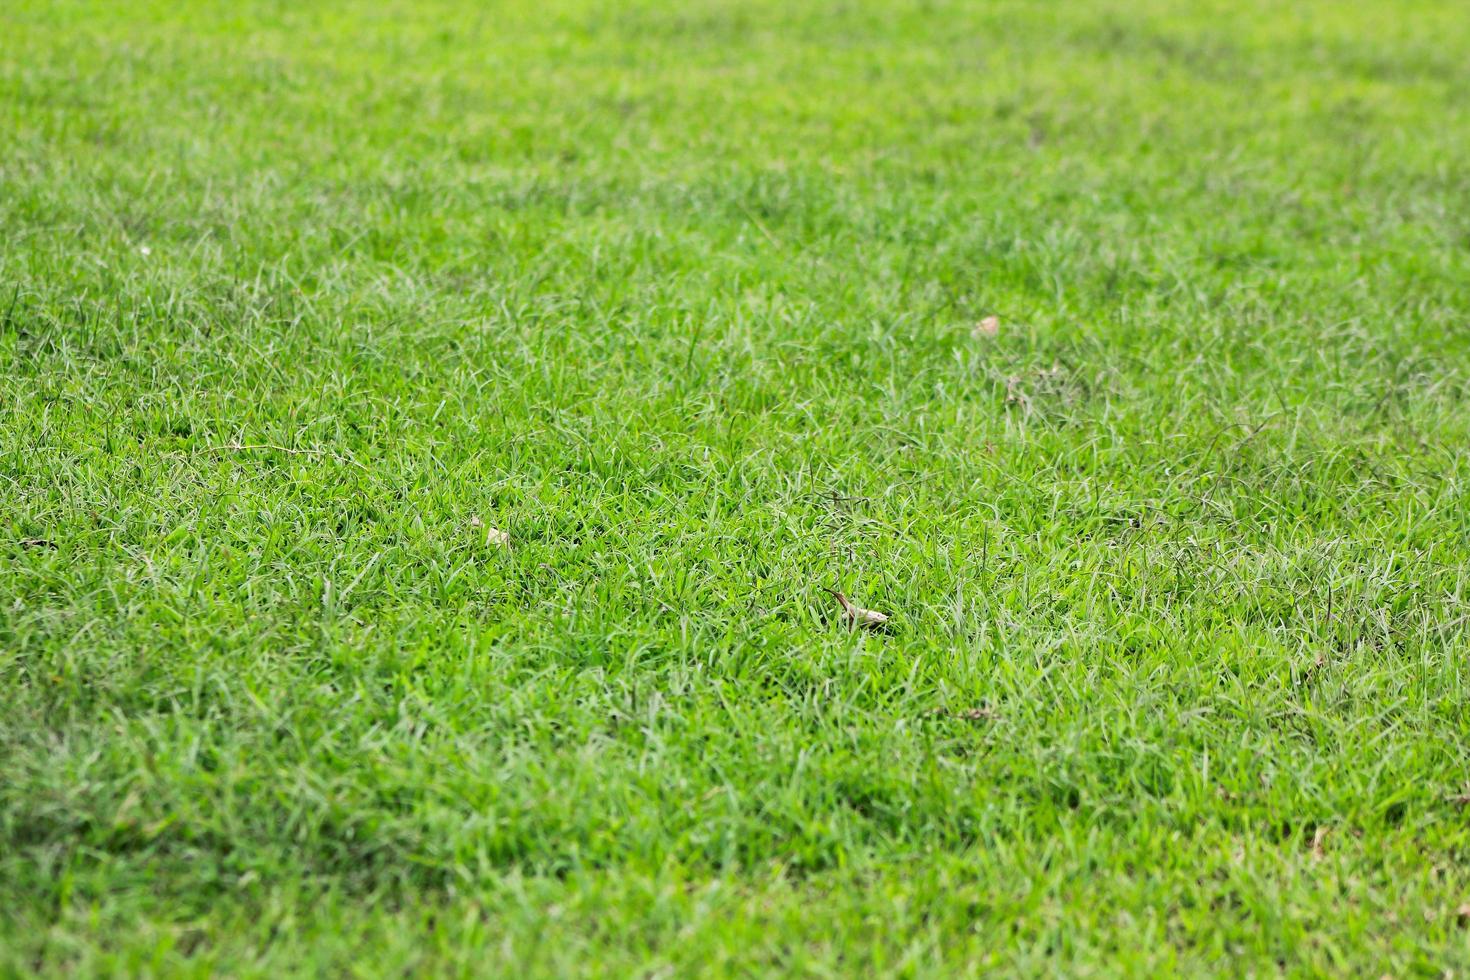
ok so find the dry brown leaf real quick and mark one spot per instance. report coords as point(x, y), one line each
point(857, 615)
point(986, 328)
point(1318, 839)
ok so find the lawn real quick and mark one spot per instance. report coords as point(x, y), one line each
point(428, 431)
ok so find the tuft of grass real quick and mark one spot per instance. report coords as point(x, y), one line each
point(297, 300)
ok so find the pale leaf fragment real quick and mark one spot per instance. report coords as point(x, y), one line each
point(986, 328)
point(493, 535)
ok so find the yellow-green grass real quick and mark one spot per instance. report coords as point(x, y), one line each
point(299, 302)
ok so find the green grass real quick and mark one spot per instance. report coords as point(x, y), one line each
point(299, 300)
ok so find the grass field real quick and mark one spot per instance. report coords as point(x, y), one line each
point(304, 305)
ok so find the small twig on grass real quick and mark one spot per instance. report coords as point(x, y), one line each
point(857, 616)
point(761, 227)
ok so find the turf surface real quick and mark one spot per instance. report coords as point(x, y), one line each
point(302, 303)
